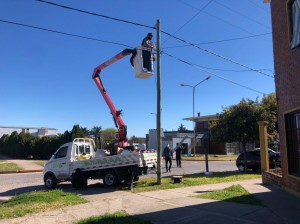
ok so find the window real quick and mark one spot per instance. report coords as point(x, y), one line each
point(294, 22)
point(62, 152)
point(292, 122)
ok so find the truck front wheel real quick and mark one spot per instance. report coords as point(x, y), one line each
point(50, 181)
point(110, 178)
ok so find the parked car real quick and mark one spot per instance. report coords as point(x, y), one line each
point(254, 162)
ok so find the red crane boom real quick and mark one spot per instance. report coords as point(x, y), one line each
point(121, 137)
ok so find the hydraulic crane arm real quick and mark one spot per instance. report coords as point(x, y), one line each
point(122, 128)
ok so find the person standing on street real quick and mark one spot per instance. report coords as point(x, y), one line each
point(178, 155)
point(168, 155)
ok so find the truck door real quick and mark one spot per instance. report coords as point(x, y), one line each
point(60, 165)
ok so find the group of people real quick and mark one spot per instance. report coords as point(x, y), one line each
point(168, 155)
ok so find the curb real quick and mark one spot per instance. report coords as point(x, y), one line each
point(20, 171)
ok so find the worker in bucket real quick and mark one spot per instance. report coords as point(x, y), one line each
point(147, 51)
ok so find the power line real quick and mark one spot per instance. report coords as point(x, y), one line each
point(220, 41)
point(96, 14)
point(259, 7)
point(217, 55)
point(221, 19)
point(133, 23)
point(98, 40)
point(109, 42)
point(64, 33)
point(208, 72)
point(230, 9)
point(193, 17)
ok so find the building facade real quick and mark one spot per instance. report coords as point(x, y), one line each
point(4, 130)
point(286, 45)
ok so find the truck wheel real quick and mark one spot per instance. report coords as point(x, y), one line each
point(110, 178)
point(50, 181)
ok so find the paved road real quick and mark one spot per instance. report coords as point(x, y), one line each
point(17, 183)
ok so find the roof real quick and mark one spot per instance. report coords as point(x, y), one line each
point(16, 127)
point(202, 118)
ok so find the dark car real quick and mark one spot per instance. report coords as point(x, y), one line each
point(254, 162)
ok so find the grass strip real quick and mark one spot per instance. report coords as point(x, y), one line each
point(113, 218)
point(9, 167)
point(37, 201)
point(234, 193)
point(150, 184)
point(210, 157)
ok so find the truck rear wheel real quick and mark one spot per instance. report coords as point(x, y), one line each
point(110, 178)
point(50, 181)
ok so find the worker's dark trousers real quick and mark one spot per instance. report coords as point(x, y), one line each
point(147, 60)
point(168, 160)
point(178, 161)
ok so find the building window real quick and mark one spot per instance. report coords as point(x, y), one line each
point(294, 22)
point(292, 122)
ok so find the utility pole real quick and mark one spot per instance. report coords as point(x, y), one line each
point(158, 113)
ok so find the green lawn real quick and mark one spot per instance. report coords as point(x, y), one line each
point(150, 184)
point(9, 167)
point(234, 193)
point(37, 201)
point(114, 218)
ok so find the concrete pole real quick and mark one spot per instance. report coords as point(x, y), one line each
point(158, 113)
point(263, 139)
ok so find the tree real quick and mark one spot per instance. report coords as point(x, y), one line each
point(96, 132)
point(270, 114)
point(108, 136)
point(79, 132)
point(181, 128)
point(238, 123)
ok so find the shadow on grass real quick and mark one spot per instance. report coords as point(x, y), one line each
point(114, 218)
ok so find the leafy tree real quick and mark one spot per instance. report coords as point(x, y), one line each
point(96, 132)
point(270, 114)
point(108, 136)
point(181, 128)
point(238, 123)
point(79, 132)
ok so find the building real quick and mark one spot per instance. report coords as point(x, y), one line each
point(186, 138)
point(286, 45)
point(4, 130)
point(173, 138)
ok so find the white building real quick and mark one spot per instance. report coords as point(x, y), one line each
point(32, 130)
point(173, 138)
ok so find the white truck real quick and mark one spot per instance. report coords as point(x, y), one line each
point(78, 161)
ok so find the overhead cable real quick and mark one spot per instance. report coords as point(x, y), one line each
point(177, 38)
point(208, 72)
point(193, 17)
point(109, 42)
point(253, 20)
point(220, 41)
point(64, 33)
point(218, 55)
point(103, 41)
point(95, 14)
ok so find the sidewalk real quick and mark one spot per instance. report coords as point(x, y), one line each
point(177, 206)
point(26, 165)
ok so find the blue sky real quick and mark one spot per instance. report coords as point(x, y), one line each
point(46, 78)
